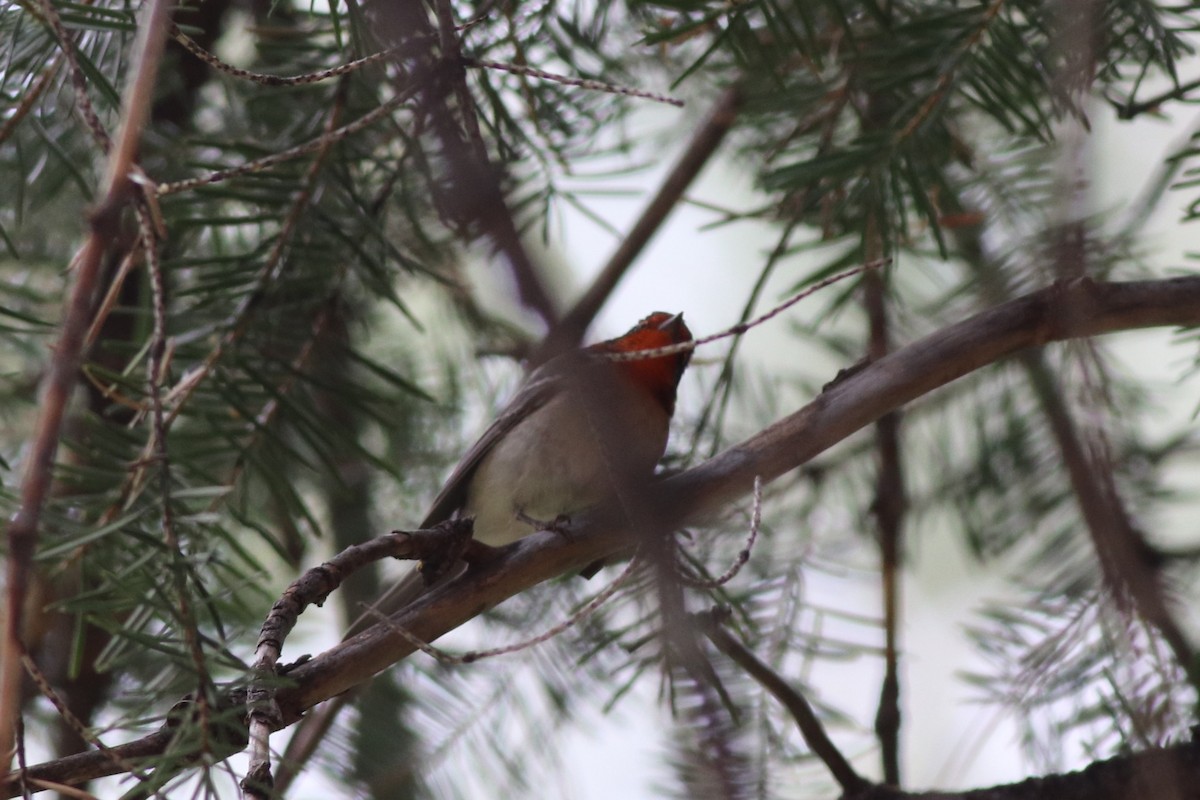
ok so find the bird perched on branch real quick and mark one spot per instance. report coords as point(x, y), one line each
point(580, 426)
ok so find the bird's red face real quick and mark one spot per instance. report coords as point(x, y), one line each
point(659, 375)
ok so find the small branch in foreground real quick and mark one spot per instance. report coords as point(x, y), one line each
point(743, 556)
point(472, 195)
point(806, 719)
point(313, 587)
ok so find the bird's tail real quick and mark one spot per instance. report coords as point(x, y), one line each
point(402, 593)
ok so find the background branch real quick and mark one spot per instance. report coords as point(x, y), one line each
point(806, 719)
point(703, 145)
point(23, 528)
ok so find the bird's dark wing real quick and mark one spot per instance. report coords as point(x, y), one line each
point(541, 385)
point(537, 390)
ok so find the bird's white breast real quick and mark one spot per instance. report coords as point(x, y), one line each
point(554, 463)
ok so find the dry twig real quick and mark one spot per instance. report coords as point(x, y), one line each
point(24, 526)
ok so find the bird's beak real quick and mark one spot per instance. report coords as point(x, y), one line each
point(672, 323)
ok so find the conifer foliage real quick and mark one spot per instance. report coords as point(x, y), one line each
point(244, 333)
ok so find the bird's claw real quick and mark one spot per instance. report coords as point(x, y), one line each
point(457, 540)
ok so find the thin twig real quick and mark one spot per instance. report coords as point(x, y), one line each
point(190, 44)
point(567, 80)
point(806, 719)
point(109, 302)
point(29, 98)
point(60, 378)
point(81, 730)
point(743, 327)
point(258, 165)
point(63, 789)
point(717, 404)
point(743, 555)
point(78, 80)
point(157, 448)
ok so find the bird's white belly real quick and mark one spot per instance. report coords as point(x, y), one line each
point(552, 464)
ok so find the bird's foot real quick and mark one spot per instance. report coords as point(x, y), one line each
point(455, 540)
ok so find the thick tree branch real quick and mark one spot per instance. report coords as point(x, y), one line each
point(1162, 773)
point(1059, 312)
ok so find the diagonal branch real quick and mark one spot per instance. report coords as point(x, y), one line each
point(806, 719)
point(704, 144)
point(469, 196)
point(1126, 560)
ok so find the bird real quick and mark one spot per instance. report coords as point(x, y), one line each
point(576, 422)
